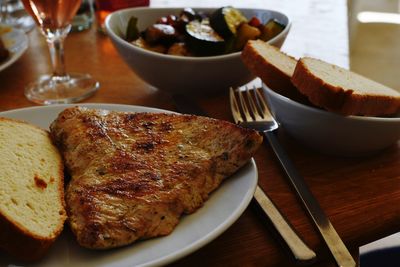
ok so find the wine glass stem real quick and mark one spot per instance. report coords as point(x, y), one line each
point(56, 48)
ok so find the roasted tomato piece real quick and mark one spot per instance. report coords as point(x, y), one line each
point(255, 22)
point(160, 33)
point(171, 19)
point(162, 20)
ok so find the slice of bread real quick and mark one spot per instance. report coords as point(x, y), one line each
point(32, 208)
point(274, 67)
point(342, 91)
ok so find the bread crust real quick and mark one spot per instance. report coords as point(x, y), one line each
point(341, 100)
point(271, 75)
point(21, 244)
point(15, 239)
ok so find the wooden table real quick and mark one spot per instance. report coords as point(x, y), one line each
point(361, 196)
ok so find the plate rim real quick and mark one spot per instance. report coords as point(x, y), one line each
point(21, 47)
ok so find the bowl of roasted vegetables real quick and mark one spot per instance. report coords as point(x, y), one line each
point(192, 50)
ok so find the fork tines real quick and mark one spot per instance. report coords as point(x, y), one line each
point(251, 105)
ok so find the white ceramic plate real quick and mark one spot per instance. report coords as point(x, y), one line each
point(194, 231)
point(16, 41)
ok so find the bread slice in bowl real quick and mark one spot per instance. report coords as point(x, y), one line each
point(274, 67)
point(342, 91)
point(32, 209)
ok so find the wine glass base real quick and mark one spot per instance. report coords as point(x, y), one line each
point(56, 90)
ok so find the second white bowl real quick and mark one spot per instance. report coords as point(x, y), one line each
point(331, 133)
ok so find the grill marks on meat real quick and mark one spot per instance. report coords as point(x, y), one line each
point(134, 175)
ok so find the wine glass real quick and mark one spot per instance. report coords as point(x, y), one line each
point(54, 19)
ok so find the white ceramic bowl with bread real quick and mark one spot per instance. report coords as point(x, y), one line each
point(176, 74)
point(332, 124)
point(331, 133)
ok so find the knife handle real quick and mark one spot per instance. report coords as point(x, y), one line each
point(301, 252)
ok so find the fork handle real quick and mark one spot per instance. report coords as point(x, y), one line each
point(301, 252)
point(328, 233)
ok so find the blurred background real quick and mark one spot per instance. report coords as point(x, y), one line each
point(374, 28)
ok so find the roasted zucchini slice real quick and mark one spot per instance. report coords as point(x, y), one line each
point(202, 39)
point(226, 20)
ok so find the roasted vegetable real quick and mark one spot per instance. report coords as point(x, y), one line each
point(179, 49)
point(254, 21)
point(189, 14)
point(140, 42)
point(195, 33)
point(245, 32)
point(185, 17)
point(271, 29)
point(226, 20)
point(132, 32)
point(202, 39)
point(173, 21)
point(160, 34)
point(230, 45)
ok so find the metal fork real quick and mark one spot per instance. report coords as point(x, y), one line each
point(252, 111)
point(301, 252)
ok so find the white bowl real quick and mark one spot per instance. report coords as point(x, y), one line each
point(184, 74)
point(331, 133)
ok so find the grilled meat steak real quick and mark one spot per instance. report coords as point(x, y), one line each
point(134, 174)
